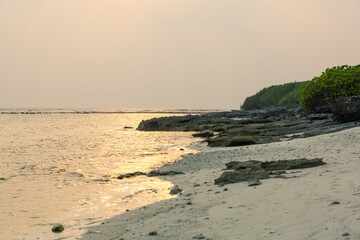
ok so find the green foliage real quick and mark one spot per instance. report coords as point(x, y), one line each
point(279, 95)
point(336, 82)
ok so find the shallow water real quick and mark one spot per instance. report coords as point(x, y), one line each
point(62, 168)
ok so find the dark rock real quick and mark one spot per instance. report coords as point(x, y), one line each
point(278, 172)
point(155, 173)
point(346, 109)
point(275, 165)
point(292, 164)
point(253, 183)
point(200, 236)
point(204, 134)
point(219, 129)
point(239, 128)
point(129, 175)
point(335, 203)
point(231, 165)
point(329, 129)
point(153, 233)
point(346, 234)
point(322, 108)
point(58, 228)
point(252, 164)
point(231, 141)
point(319, 116)
point(241, 176)
point(175, 190)
point(2, 179)
point(254, 170)
point(126, 127)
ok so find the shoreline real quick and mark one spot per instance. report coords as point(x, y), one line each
point(303, 206)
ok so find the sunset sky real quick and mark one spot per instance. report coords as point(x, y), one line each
point(167, 53)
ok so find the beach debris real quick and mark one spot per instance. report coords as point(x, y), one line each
point(58, 228)
point(335, 203)
point(199, 236)
point(196, 185)
point(252, 170)
point(153, 233)
point(254, 182)
point(126, 127)
point(175, 190)
point(2, 179)
point(346, 234)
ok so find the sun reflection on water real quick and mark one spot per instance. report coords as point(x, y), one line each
point(63, 168)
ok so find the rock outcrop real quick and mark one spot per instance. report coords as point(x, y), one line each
point(346, 109)
point(244, 175)
point(239, 128)
point(253, 170)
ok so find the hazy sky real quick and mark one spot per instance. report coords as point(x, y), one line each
point(167, 53)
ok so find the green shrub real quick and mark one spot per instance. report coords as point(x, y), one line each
point(336, 82)
point(279, 95)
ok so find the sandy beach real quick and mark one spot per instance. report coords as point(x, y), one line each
point(314, 203)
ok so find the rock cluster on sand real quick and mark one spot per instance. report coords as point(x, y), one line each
point(252, 171)
point(239, 128)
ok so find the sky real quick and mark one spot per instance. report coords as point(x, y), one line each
point(193, 54)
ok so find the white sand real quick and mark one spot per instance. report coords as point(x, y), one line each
point(293, 208)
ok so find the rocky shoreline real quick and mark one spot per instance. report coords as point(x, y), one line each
point(240, 127)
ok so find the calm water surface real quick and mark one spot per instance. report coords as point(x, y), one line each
point(62, 168)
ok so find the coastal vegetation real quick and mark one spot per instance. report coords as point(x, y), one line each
point(278, 95)
point(333, 83)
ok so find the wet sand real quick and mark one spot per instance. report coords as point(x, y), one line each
point(314, 203)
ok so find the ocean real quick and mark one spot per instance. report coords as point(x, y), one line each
point(60, 166)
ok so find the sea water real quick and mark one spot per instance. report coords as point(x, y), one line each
point(62, 168)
